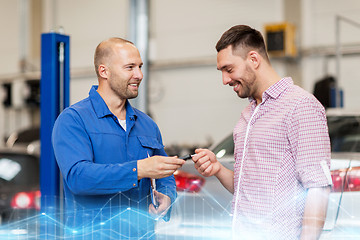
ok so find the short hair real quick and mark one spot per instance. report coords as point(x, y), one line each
point(244, 37)
point(105, 50)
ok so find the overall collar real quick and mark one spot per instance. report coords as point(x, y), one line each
point(102, 110)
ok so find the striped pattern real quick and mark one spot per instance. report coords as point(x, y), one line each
point(287, 140)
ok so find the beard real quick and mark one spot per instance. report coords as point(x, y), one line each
point(122, 88)
point(247, 84)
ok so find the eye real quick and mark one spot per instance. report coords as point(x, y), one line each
point(129, 67)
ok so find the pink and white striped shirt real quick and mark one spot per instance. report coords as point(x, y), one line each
point(282, 148)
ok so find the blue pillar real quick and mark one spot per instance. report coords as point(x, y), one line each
point(54, 87)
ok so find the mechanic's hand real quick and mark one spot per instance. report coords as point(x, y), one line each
point(163, 202)
point(205, 162)
point(158, 166)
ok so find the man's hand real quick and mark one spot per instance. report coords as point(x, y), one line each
point(207, 165)
point(205, 162)
point(164, 203)
point(315, 213)
point(158, 166)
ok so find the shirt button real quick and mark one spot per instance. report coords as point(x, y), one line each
point(134, 184)
point(134, 169)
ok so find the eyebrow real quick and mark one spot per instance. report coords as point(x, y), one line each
point(223, 67)
point(133, 64)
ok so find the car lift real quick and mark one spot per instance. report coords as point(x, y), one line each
point(54, 87)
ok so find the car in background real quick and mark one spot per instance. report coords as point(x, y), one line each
point(343, 215)
point(19, 189)
point(203, 207)
point(28, 138)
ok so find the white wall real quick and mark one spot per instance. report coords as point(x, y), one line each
point(9, 36)
point(190, 29)
point(88, 22)
point(190, 104)
point(319, 30)
point(10, 48)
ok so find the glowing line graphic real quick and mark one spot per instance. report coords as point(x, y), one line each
point(193, 226)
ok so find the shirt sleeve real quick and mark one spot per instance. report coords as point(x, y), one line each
point(74, 155)
point(167, 185)
point(310, 143)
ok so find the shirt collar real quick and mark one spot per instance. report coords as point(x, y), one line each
point(275, 90)
point(100, 107)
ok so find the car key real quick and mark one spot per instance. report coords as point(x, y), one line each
point(187, 156)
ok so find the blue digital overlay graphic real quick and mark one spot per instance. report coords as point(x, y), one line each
point(194, 216)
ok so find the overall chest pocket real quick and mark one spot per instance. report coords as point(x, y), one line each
point(149, 145)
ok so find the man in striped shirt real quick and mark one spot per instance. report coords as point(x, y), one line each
point(281, 179)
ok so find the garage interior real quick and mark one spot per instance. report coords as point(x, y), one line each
point(182, 91)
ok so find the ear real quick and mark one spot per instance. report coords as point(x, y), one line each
point(103, 71)
point(254, 59)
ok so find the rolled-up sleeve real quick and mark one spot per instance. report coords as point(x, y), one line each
point(310, 143)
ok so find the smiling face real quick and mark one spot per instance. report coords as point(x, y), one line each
point(125, 73)
point(236, 72)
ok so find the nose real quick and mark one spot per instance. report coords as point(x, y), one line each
point(226, 78)
point(138, 74)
